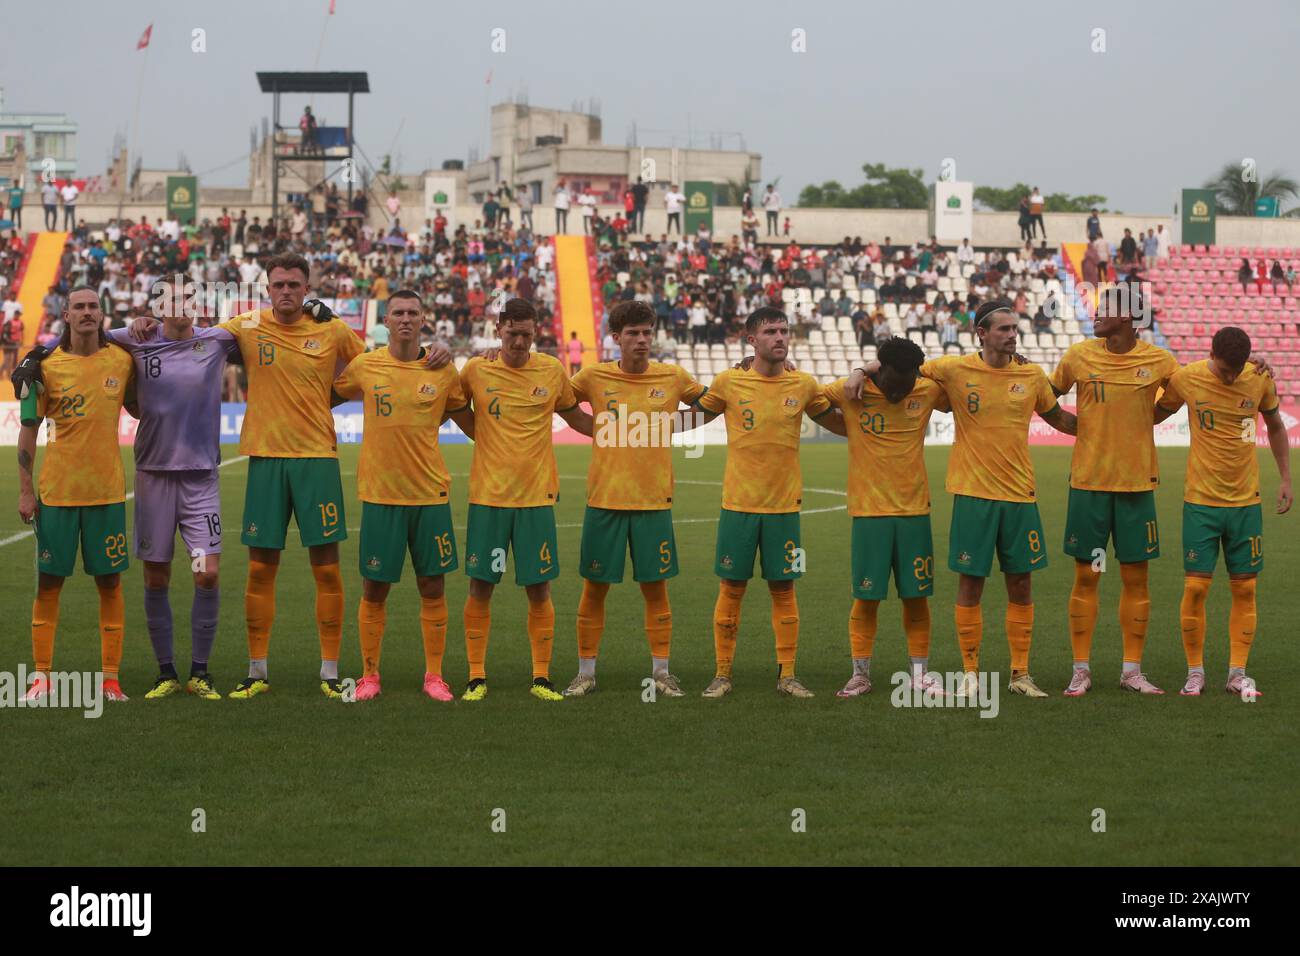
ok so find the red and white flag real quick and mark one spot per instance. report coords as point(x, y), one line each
point(144, 38)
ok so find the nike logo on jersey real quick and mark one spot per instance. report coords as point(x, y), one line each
point(745, 401)
point(610, 391)
point(972, 384)
point(492, 388)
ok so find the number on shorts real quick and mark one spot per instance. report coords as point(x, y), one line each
point(1256, 547)
point(444, 546)
point(665, 553)
point(544, 552)
point(329, 514)
point(973, 402)
point(1153, 534)
point(115, 547)
point(214, 525)
point(923, 568)
point(1248, 430)
point(1034, 544)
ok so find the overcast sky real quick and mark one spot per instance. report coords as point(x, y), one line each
point(1010, 90)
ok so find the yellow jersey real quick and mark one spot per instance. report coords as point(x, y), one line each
point(83, 397)
point(631, 456)
point(290, 369)
point(887, 447)
point(514, 461)
point(1115, 449)
point(764, 416)
point(1222, 468)
point(991, 410)
point(401, 463)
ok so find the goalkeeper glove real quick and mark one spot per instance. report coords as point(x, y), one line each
point(28, 373)
point(317, 310)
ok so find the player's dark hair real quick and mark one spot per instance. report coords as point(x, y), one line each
point(760, 316)
point(407, 294)
point(66, 338)
point(289, 260)
point(901, 354)
point(984, 314)
point(630, 313)
point(517, 310)
point(1231, 345)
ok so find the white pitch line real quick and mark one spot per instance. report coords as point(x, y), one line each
point(24, 535)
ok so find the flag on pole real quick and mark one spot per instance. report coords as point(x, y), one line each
point(331, 7)
point(144, 38)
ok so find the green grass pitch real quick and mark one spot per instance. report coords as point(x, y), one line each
point(293, 778)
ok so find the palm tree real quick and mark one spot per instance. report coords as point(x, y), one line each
point(1236, 196)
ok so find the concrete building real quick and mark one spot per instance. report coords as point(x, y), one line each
point(42, 136)
point(535, 148)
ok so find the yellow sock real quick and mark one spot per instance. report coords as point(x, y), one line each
point(970, 633)
point(862, 627)
point(785, 624)
point(259, 607)
point(1020, 633)
point(478, 622)
point(45, 621)
point(329, 609)
point(1134, 610)
point(1241, 621)
point(433, 628)
point(658, 618)
point(112, 617)
point(371, 618)
point(916, 625)
point(591, 617)
point(1083, 609)
point(541, 634)
point(726, 623)
point(1192, 615)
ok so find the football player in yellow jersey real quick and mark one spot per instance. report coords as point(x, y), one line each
point(889, 501)
point(1113, 475)
point(513, 487)
point(630, 489)
point(761, 492)
point(403, 486)
point(991, 476)
point(1221, 501)
point(82, 488)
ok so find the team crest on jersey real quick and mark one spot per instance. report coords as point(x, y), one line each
point(472, 560)
point(200, 346)
point(428, 389)
point(656, 393)
point(540, 392)
point(1144, 373)
point(792, 403)
point(311, 345)
point(726, 562)
point(110, 383)
point(913, 404)
point(373, 563)
point(1247, 403)
point(1016, 388)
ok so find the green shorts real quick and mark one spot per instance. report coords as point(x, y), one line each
point(898, 543)
point(742, 533)
point(1094, 517)
point(981, 526)
point(307, 488)
point(495, 532)
point(607, 535)
point(1240, 529)
point(387, 531)
point(101, 530)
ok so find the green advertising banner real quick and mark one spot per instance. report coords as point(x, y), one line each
point(1266, 207)
point(699, 206)
point(1199, 206)
point(183, 199)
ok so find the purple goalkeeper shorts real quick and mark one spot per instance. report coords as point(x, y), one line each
point(167, 500)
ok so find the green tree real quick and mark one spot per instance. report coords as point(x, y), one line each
point(1236, 196)
point(884, 189)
